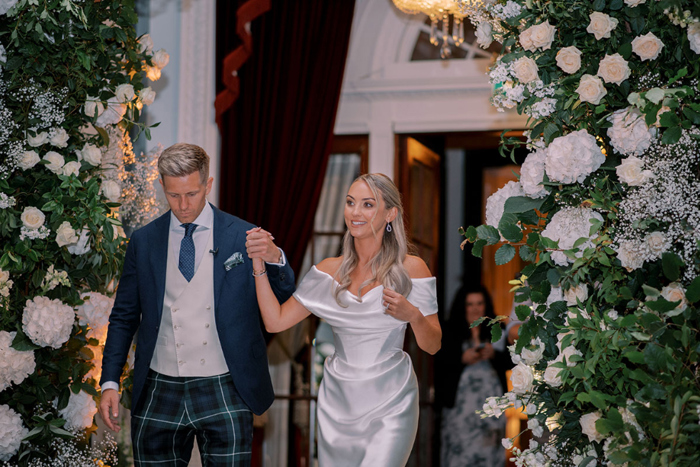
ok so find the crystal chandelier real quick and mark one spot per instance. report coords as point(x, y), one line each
point(442, 10)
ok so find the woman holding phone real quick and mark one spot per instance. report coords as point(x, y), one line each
point(470, 369)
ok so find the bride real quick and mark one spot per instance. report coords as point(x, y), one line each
point(368, 399)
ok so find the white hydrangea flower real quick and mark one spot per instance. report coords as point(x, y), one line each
point(48, 323)
point(532, 174)
point(495, 204)
point(629, 134)
point(15, 365)
point(566, 227)
point(6, 5)
point(12, 430)
point(95, 314)
point(80, 411)
point(573, 157)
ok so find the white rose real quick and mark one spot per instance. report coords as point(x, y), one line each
point(93, 107)
point(634, 3)
point(657, 243)
point(525, 69)
point(629, 133)
point(522, 379)
point(674, 292)
point(571, 158)
point(71, 168)
point(588, 426)
point(65, 234)
point(111, 190)
point(648, 46)
point(145, 44)
point(542, 35)
point(32, 218)
point(631, 255)
point(532, 354)
point(38, 140)
point(124, 93)
point(569, 59)
point(613, 69)
point(4, 276)
point(56, 162)
point(532, 174)
point(113, 114)
point(153, 73)
point(694, 37)
point(147, 95)
point(47, 323)
point(59, 138)
point(91, 154)
point(580, 293)
point(160, 59)
point(28, 160)
point(630, 172)
point(601, 25)
point(526, 40)
point(591, 89)
point(569, 352)
point(484, 34)
point(495, 204)
point(552, 375)
point(82, 245)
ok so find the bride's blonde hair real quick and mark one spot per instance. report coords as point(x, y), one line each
point(387, 265)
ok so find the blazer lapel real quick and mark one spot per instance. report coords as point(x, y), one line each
point(224, 245)
point(159, 257)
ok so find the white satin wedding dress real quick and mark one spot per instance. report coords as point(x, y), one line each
point(368, 399)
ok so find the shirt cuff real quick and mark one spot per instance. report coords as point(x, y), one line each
point(283, 259)
point(109, 385)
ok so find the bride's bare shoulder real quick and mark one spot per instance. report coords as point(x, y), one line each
point(330, 265)
point(416, 267)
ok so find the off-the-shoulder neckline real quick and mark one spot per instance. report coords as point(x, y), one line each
point(373, 288)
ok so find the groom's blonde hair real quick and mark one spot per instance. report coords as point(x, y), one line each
point(182, 159)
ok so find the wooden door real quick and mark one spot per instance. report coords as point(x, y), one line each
point(418, 178)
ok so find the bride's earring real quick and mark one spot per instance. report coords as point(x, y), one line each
point(388, 226)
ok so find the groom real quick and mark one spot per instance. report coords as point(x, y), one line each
point(187, 288)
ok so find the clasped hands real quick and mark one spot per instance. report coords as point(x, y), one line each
point(475, 354)
point(260, 246)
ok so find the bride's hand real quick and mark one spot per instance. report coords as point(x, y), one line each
point(397, 306)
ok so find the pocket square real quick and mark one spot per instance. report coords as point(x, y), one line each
point(233, 261)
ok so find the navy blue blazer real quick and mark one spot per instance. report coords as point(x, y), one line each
point(139, 305)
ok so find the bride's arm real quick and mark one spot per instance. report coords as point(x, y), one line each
point(426, 328)
point(276, 317)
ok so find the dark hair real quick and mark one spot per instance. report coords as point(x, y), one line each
point(458, 319)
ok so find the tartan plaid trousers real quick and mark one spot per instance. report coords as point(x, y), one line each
point(176, 409)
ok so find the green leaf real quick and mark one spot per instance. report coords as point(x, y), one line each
point(478, 248)
point(661, 305)
point(510, 229)
point(625, 50)
point(504, 254)
point(471, 233)
point(655, 357)
point(522, 312)
point(22, 343)
point(671, 135)
point(669, 119)
point(692, 294)
point(527, 253)
point(496, 333)
point(637, 24)
point(671, 264)
point(550, 131)
point(518, 204)
point(488, 233)
point(692, 115)
point(634, 356)
point(598, 5)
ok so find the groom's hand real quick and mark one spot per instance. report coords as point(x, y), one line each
point(109, 409)
point(259, 244)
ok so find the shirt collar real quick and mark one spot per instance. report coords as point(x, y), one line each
point(205, 220)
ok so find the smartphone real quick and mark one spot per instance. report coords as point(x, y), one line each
point(480, 346)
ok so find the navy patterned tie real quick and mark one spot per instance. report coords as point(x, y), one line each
point(186, 264)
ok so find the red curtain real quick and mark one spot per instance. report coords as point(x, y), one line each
point(277, 134)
